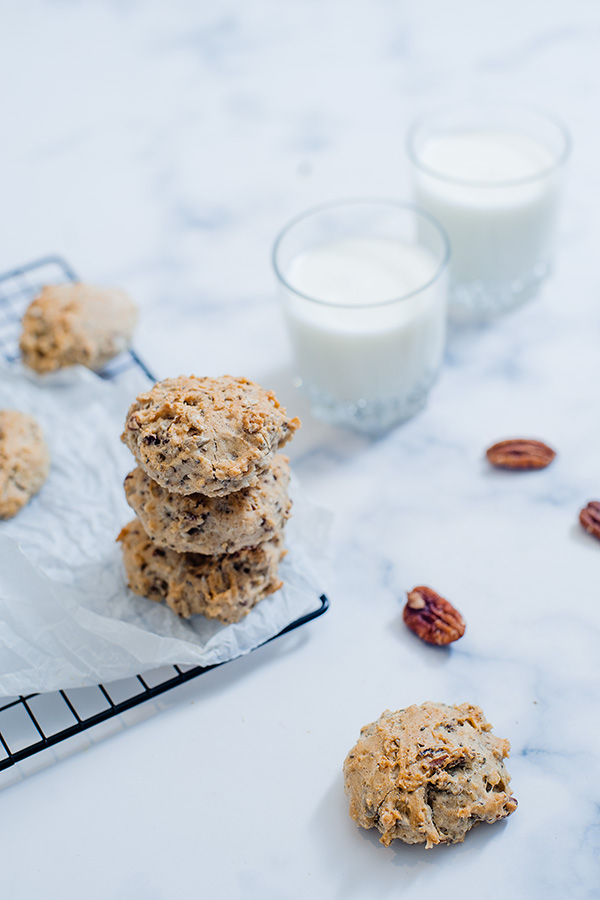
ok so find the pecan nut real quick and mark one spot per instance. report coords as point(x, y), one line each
point(432, 618)
point(590, 518)
point(520, 454)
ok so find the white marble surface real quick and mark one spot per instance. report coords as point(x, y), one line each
point(159, 147)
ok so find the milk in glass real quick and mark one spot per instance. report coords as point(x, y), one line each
point(486, 189)
point(367, 320)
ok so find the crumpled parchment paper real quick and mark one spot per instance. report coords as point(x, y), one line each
point(67, 618)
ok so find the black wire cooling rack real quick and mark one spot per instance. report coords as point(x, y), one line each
point(29, 724)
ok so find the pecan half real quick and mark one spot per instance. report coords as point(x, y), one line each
point(590, 518)
point(520, 454)
point(439, 761)
point(432, 618)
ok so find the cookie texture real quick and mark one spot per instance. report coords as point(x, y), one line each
point(427, 774)
point(24, 461)
point(208, 436)
point(211, 525)
point(72, 324)
point(224, 587)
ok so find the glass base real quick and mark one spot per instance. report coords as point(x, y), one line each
point(480, 301)
point(372, 417)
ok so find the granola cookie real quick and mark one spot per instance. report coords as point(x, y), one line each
point(427, 774)
point(208, 436)
point(70, 324)
point(224, 587)
point(199, 524)
point(24, 461)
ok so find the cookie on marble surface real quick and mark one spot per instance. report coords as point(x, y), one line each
point(224, 587)
point(427, 774)
point(208, 436)
point(211, 525)
point(24, 461)
point(70, 324)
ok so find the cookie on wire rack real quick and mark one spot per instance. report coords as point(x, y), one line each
point(211, 436)
point(76, 324)
point(24, 461)
point(224, 587)
point(211, 525)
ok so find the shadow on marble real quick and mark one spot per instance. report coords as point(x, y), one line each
point(352, 851)
point(316, 443)
point(436, 657)
point(580, 536)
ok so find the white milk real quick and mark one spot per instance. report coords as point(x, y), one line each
point(500, 232)
point(362, 345)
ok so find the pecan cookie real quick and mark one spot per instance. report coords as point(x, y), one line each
point(24, 461)
point(224, 587)
point(70, 324)
point(208, 436)
point(427, 774)
point(199, 524)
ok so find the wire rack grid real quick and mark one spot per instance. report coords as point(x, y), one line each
point(32, 723)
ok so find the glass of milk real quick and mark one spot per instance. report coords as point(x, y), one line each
point(364, 296)
point(492, 177)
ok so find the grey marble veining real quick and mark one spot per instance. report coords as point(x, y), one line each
point(160, 147)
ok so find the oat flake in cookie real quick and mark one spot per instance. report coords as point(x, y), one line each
point(427, 774)
point(24, 461)
point(198, 524)
point(222, 587)
point(208, 436)
point(71, 324)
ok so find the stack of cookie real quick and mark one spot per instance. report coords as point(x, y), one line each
point(210, 493)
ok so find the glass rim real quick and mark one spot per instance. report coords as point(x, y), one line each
point(338, 204)
point(553, 120)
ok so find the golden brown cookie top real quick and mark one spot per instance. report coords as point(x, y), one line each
point(428, 773)
point(210, 436)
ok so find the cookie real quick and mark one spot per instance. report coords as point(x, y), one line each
point(24, 461)
point(212, 525)
point(70, 324)
point(224, 587)
point(427, 774)
point(208, 436)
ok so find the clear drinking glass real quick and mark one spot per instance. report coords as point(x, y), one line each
point(364, 297)
point(492, 176)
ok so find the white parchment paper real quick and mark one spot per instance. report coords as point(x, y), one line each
point(67, 618)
